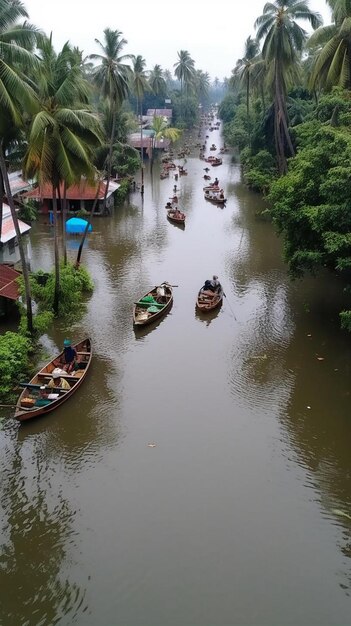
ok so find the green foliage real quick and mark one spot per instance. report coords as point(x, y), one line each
point(74, 284)
point(337, 100)
point(236, 131)
point(345, 318)
point(41, 322)
point(311, 204)
point(227, 108)
point(185, 111)
point(82, 213)
point(259, 169)
point(125, 160)
point(28, 212)
point(122, 191)
point(14, 362)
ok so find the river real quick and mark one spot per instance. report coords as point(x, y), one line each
point(201, 476)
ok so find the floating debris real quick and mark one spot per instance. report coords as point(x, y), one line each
point(341, 513)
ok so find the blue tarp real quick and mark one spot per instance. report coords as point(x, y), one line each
point(76, 225)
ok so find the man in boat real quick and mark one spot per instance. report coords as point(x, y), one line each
point(212, 285)
point(168, 205)
point(69, 357)
point(57, 381)
point(216, 182)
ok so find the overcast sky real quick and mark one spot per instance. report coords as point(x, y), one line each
point(213, 32)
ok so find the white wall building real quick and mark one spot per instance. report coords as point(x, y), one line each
point(9, 252)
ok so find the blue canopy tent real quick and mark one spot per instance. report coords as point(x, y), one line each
point(77, 226)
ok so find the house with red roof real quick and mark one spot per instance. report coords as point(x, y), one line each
point(80, 196)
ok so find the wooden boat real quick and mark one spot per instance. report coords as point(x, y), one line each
point(208, 300)
point(213, 147)
point(215, 195)
point(30, 405)
point(153, 305)
point(176, 216)
point(216, 161)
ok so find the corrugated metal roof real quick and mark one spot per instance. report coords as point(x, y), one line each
point(8, 230)
point(8, 285)
point(83, 191)
point(159, 112)
point(134, 140)
point(17, 183)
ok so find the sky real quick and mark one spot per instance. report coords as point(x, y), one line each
point(213, 32)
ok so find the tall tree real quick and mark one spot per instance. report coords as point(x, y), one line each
point(112, 77)
point(157, 81)
point(16, 97)
point(202, 85)
point(283, 40)
point(244, 69)
point(62, 133)
point(161, 129)
point(184, 71)
point(139, 85)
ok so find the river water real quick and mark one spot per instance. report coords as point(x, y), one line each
point(202, 474)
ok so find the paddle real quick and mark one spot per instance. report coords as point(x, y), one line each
point(230, 306)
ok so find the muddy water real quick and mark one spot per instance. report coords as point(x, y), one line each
point(237, 512)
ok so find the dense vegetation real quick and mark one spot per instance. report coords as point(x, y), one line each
point(287, 113)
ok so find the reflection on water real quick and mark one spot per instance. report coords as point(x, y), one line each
point(239, 513)
point(37, 529)
point(207, 318)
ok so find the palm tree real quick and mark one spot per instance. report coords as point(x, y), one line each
point(139, 86)
point(167, 74)
point(333, 49)
point(244, 68)
point(283, 42)
point(62, 133)
point(157, 81)
point(161, 129)
point(112, 77)
point(202, 85)
point(184, 71)
point(16, 97)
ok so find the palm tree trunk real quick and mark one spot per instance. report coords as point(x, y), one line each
point(86, 230)
point(141, 147)
point(24, 265)
point(248, 107)
point(1, 202)
point(64, 217)
point(263, 100)
point(57, 255)
point(109, 164)
point(281, 130)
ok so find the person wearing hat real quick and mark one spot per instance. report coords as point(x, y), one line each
point(57, 381)
point(69, 357)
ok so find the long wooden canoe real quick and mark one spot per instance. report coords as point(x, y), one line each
point(30, 405)
point(208, 300)
point(153, 305)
